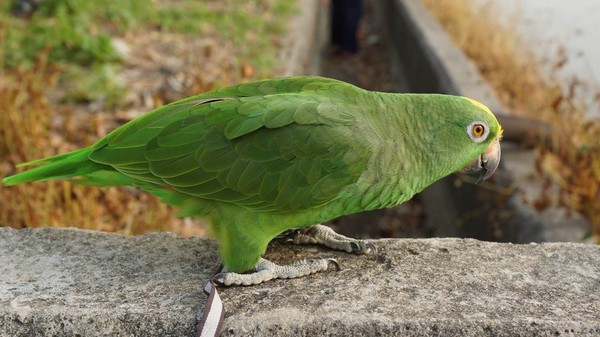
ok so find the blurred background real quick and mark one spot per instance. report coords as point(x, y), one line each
point(72, 70)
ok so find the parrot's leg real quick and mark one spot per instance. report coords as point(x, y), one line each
point(323, 235)
point(266, 270)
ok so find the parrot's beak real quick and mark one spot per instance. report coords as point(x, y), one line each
point(486, 164)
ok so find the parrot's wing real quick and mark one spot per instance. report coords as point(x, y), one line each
point(148, 125)
point(281, 153)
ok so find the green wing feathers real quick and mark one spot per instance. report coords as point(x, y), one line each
point(266, 153)
point(267, 146)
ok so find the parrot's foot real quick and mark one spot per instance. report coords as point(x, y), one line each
point(266, 270)
point(323, 235)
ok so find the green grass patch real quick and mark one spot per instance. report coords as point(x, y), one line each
point(78, 34)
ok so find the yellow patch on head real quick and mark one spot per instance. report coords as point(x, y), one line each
point(500, 132)
point(485, 108)
point(479, 105)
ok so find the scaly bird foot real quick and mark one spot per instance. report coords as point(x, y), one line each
point(266, 270)
point(323, 235)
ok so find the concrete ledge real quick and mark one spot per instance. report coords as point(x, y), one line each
point(68, 282)
point(304, 42)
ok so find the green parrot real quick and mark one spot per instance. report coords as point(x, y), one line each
point(259, 159)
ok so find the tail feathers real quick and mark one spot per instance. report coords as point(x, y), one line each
point(65, 165)
point(77, 164)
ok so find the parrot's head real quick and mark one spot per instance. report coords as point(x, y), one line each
point(471, 138)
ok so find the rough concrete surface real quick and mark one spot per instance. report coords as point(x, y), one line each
point(67, 282)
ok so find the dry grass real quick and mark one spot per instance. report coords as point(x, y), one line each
point(516, 74)
point(29, 132)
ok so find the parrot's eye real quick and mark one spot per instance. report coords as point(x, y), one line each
point(478, 131)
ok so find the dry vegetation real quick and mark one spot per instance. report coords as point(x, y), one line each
point(40, 117)
point(573, 160)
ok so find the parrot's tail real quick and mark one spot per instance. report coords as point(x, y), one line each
point(64, 165)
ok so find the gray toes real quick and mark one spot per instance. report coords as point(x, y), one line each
point(266, 270)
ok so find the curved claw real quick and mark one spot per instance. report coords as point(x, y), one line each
point(363, 247)
point(372, 249)
point(219, 279)
point(334, 262)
